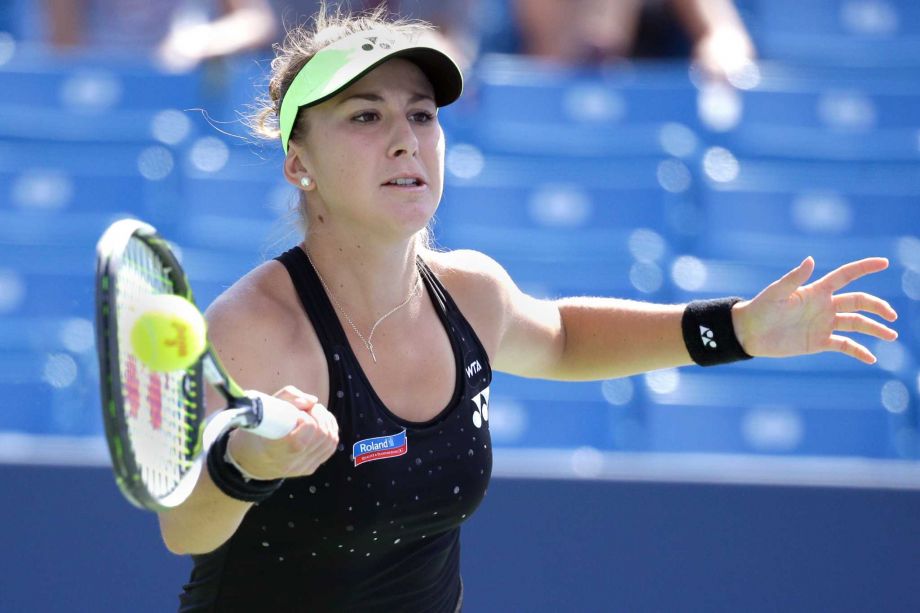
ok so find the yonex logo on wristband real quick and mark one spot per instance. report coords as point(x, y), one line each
point(708, 337)
point(700, 339)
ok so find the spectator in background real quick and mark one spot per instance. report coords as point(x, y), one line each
point(455, 20)
point(180, 33)
point(598, 31)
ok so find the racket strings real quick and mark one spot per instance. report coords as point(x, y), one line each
point(155, 404)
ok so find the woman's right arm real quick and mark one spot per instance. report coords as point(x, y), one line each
point(249, 340)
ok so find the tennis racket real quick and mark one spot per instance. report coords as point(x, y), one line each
point(155, 424)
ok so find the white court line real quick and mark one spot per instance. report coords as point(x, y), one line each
point(585, 463)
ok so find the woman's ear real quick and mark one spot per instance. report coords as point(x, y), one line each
point(296, 168)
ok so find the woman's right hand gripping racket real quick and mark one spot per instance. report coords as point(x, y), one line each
point(155, 421)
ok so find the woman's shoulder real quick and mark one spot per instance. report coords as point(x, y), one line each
point(262, 334)
point(479, 286)
point(260, 305)
point(467, 267)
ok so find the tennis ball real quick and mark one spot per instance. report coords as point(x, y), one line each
point(169, 333)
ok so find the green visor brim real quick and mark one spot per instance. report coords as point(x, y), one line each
point(337, 66)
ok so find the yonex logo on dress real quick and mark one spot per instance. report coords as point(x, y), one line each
point(481, 412)
point(708, 337)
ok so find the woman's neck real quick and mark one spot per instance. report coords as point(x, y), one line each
point(366, 278)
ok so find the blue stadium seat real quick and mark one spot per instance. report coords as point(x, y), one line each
point(545, 414)
point(96, 86)
point(853, 109)
point(36, 123)
point(813, 213)
point(67, 258)
point(56, 295)
point(243, 198)
point(879, 18)
point(767, 210)
point(694, 276)
point(48, 228)
point(732, 411)
point(804, 76)
point(557, 205)
point(554, 139)
point(223, 158)
point(48, 374)
point(54, 393)
point(808, 111)
point(848, 177)
point(121, 158)
point(55, 201)
point(819, 143)
point(517, 88)
point(521, 106)
point(883, 31)
point(468, 165)
point(560, 276)
point(655, 192)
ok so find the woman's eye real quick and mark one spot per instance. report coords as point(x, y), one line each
point(365, 117)
point(423, 116)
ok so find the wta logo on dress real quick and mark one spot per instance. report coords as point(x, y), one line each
point(380, 448)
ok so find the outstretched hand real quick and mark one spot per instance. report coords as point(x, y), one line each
point(789, 318)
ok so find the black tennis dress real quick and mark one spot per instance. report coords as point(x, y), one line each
point(377, 527)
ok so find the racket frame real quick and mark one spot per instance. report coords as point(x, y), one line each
point(110, 252)
point(264, 415)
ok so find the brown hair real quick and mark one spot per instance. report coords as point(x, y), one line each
point(300, 44)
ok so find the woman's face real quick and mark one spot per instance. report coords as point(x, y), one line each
point(376, 154)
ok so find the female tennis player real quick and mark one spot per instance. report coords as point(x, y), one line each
point(359, 508)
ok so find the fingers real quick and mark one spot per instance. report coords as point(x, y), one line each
point(309, 446)
point(852, 322)
point(861, 301)
point(848, 273)
point(791, 281)
point(317, 429)
point(322, 414)
point(851, 348)
point(310, 405)
point(299, 399)
point(314, 439)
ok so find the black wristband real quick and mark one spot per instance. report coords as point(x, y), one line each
point(231, 482)
point(709, 333)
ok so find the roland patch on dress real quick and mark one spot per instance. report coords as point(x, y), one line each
point(380, 448)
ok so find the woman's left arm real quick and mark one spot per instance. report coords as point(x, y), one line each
point(600, 338)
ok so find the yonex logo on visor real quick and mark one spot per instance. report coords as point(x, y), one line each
point(337, 66)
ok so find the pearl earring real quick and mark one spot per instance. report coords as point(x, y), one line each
point(305, 182)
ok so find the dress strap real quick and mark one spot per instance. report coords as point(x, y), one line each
point(314, 299)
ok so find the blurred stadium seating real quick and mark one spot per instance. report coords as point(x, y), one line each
point(639, 182)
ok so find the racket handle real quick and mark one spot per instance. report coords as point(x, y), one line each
point(279, 417)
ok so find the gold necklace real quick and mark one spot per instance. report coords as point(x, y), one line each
point(366, 341)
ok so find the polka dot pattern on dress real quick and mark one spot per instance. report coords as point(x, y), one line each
point(344, 512)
